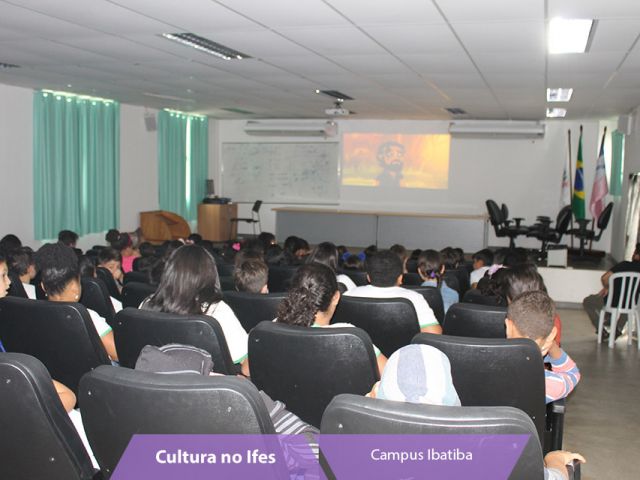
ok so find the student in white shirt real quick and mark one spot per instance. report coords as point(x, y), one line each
point(326, 253)
point(482, 261)
point(60, 274)
point(190, 285)
point(21, 263)
point(384, 271)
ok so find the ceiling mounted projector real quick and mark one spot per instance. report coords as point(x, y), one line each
point(337, 112)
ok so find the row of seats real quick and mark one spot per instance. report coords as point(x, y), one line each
point(118, 403)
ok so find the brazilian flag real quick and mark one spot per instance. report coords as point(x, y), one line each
point(577, 202)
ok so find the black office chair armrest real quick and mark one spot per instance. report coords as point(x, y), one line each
point(555, 425)
point(574, 470)
point(518, 221)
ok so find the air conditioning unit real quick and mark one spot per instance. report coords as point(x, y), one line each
point(267, 128)
point(496, 129)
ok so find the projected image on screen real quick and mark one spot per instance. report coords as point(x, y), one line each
point(406, 161)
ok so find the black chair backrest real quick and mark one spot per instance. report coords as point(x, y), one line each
point(475, 296)
point(351, 414)
point(605, 216)
point(411, 279)
point(96, 297)
point(505, 212)
point(133, 293)
point(253, 308)
point(358, 277)
point(433, 297)
point(495, 214)
point(462, 275)
point(390, 322)
point(474, 320)
point(256, 206)
point(306, 367)
point(105, 275)
point(16, 289)
point(118, 403)
point(133, 276)
point(563, 220)
point(136, 328)
point(495, 372)
point(60, 335)
point(38, 440)
point(227, 284)
point(280, 277)
point(225, 269)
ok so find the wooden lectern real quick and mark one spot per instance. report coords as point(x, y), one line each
point(159, 226)
point(214, 221)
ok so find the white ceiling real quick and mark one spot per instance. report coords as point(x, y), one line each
point(398, 58)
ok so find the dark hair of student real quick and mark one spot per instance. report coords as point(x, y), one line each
point(485, 256)
point(20, 260)
point(123, 241)
point(195, 238)
point(112, 236)
point(274, 255)
point(429, 265)
point(292, 246)
point(189, 283)
point(266, 239)
point(370, 251)
point(341, 251)
point(68, 238)
point(108, 254)
point(449, 258)
point(86, 266)
point(251, 275)
point(493, 286)
point(532, 313)
point(248, 253)
point(58, 265)
point(312, 289)
point(401, 251)
point(383, 268)
point(325, 253)
point(520, 279)
point(9, 242)
point(353, 262)
point(146, 249)
point(516, 256)
point(459, 253)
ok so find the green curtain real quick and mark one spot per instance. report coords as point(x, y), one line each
point(199, 133)
point(617, 163)
point(76, 164)
point(182, 162)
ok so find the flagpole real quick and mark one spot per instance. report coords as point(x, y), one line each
point(593, 220)
point(570, 183)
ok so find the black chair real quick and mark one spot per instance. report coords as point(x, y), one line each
point(133, 276)
point(473, 320)
point(133, 293)
point(546, 234)
point(500, 228)
point(497, 372)
point(475, 296)
point(253, 308)
point(16, 289)
point(306, 367)
point(584, 234)
point(255, 217)
point(433, 297)
point(118, 403)
point(462, 275)
point(390, 322)
point(351, 414)
point(280, 277)
point(136, 328)
point(358, 277)
point(60, 335)
point(105, 275)
point(517, 221)
point(96, 297)
point(38, 440)
point(411, 279)
point(225, 269)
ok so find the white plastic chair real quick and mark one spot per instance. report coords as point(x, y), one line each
point(627, 303)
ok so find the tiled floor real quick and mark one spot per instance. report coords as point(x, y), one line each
point(603, 413)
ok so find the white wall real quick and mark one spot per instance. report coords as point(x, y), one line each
point(525, 174)
point(138, 167)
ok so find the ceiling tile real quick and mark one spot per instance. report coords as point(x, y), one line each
point(521, 37)
point(615, 35)
point(333, 40)
point(386, 12)
point(593, 9)
point(286, 13)
point(384, 63)
point(438, 63)
point(420, 39)
point(491, 11)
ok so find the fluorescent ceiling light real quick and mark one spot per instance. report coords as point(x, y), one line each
point(206, 45)
point(569, 35)
point(559, 94)
point(556, 112)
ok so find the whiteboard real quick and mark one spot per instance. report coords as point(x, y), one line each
point(280, 172)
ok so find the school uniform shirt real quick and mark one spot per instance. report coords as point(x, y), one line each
point(426, 318)
point(117, 304)
point(236, 336)
point(102, 327)
point(30, 290)
point(346, 281)
point(477, 274)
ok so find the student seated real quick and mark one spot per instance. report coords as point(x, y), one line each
point(251, 276)
point(530, 315)
point(110, 259)
point(432, 271)
point(60, 280)
point(295, 250)
point(326, 254)
point(266, 239)
point(422, 374)
point(190, 285)
point(5, 281)
point(384, 272)
point(312, 300)
point(124, 245)
point(353, 262)
point(22, 264)
point(402, 253)
point(9, 242)
point(482, 261)
point(88, 270)
point(68, 238)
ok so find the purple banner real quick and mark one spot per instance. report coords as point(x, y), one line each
point(371, 457)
